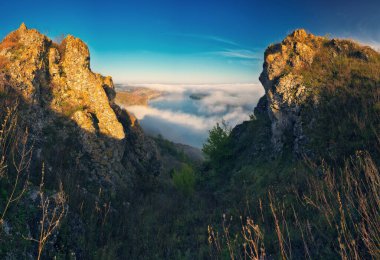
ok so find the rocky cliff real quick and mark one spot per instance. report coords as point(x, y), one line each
point(83, 139)
point(70, 109)
point(299, 71)
point(322, 101)
point(316, 127)
point(284, 88)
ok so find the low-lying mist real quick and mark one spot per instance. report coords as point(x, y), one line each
point(186, 113)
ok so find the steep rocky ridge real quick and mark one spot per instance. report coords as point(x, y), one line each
point(83, 139)
point(321, 105)
point(55, 81)
point(287, 70)
point(320, 114)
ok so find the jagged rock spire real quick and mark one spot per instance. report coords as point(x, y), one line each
point(299, 34)
point(23, 27)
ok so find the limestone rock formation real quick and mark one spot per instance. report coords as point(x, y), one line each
point(56, 82)
point(283, 86)
point(287, 89)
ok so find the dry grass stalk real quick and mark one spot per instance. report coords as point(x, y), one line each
point(350, 201)
point(279, 234)
point(254, 240)
point(14, 144)
point(53, 211)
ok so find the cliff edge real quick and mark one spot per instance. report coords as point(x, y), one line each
point(303, 74)
point(70, 109)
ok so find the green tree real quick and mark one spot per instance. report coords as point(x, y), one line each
point(216, 147)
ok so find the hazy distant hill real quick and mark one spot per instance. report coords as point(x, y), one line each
point(135, 96)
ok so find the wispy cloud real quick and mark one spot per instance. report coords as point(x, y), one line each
point(207, 37)
point(240, 54)
point(372, 40)
point(373, 44)
point(222, 40)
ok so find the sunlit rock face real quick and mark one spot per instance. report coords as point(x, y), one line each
point(55, 80)
point(283, 85)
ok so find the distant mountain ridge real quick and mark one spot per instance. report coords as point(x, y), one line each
point(138, 96)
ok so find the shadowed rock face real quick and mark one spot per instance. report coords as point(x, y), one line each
point(55, 80)
point(79, 134)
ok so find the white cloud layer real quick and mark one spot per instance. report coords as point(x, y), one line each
point(181, 119)
point(184, 119)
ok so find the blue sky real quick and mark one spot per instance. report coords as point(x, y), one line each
point(195, 41)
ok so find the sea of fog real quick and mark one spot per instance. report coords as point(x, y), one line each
point(186, 113)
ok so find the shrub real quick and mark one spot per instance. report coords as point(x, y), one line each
point(184, 179)
point(216, 147)
point(69, 109)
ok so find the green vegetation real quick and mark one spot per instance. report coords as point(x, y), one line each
point(184, 179)
point(216, 147)
point(345, 80)
point(319, 201)
point(169, 148)
point(342, 64)
point(69, 109)
point(331, 217)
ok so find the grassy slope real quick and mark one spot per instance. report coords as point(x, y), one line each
point(340, 117)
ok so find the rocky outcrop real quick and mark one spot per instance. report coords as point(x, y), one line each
point(56, 82)
point(80, 138)
point(296, 70)
point(284, 89)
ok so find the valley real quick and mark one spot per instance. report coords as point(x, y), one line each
point(287, 168)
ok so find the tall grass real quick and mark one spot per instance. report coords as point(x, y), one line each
point(346, 206)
